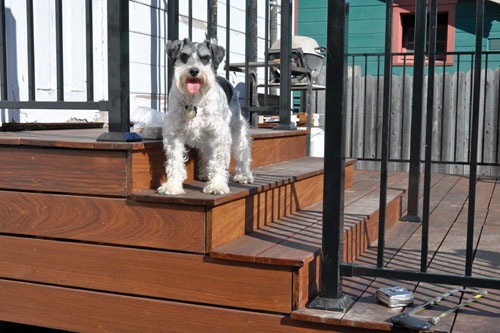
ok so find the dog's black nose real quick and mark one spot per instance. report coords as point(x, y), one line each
point(194, 71)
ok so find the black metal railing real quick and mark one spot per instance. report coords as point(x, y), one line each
point(59, 103)
point(117, 104)
point(333, 268)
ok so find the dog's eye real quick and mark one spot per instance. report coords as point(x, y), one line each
point(184, 57)
point(205, 58)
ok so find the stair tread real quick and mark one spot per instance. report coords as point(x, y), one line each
point(265, 178)
point(295, 240)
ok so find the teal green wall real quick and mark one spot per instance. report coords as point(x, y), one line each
point(367, 28)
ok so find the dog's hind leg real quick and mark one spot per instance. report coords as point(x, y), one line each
point(242, 152)
point(202, 166)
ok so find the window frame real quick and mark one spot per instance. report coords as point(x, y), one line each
point(406, 7)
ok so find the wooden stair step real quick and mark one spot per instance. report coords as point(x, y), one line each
point(296, 239)
point(266, 178)
point(73, 162)
point(284, 242)
point(195, 222)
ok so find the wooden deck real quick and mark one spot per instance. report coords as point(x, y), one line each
point(108, 254)
point(447, 238)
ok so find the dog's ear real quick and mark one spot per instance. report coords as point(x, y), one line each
point(218, 53)
point(173, 48)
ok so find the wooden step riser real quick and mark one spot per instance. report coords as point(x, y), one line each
point(90, 172)
point(119, 221)
point(88, 311)
point(103, 220)
point(119, 171)
point(159, 274)
point(365, 233)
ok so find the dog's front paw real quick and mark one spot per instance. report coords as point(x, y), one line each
point(170, 189)
point(243, 179)
point(216, 188)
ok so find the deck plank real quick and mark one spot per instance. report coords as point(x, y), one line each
point(483, 314)
point(367, 312)
point(447, 231)
point(450, 259)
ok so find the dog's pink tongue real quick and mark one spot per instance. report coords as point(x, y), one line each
point(193, 87)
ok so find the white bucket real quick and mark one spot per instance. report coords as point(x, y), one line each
point(317, 142)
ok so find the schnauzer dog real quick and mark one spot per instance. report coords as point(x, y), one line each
point(203, 113)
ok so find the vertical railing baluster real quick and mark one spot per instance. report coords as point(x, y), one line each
point(89, 50)
point(211, 17)
point(428, 135)
point(457, 96)
point(190, 19)
point(173, 31)
point(285, 66)
point(31, 51)
point(416, 114)
point(377, 110)
point(353, 77)
point(3, 53)
point(228, 37)
point(248, 52)
point(483, 133)
point(59, 51)
point(266, 52)
point(365, 119)
point(469, 252)
point(442, 147)
point(497, 138)
point(386, 109)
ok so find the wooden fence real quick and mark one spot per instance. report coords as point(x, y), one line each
point(451, 121)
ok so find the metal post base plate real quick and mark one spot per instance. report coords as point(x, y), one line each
point(342, 304)
point(119, 137)
point(282, 127)
point(411, 218)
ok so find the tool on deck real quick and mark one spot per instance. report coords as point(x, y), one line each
point(394, 296)
point(410, 321)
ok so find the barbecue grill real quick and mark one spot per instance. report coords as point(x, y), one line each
point(306, 54)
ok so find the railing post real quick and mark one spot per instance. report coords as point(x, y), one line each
point(416, 114)
point(331, 296)
point(285, 66)
point(118, 74)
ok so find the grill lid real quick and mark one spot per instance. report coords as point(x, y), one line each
point(307, 44)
